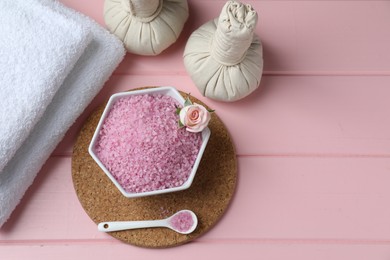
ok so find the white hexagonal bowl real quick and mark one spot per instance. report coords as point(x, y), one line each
point(170, 91)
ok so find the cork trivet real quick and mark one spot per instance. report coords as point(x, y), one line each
point(208, 196)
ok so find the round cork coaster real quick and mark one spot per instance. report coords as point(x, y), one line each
point(208, 196)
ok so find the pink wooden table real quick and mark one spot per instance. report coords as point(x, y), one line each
point(313, 145)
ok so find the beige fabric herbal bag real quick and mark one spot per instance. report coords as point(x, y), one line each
point(146, 27)
point(224, 57)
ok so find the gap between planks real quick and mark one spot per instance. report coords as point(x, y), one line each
point(257, 241)
point(270, 73)
point(283, 155)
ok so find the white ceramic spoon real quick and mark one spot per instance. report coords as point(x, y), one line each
point(183, 222)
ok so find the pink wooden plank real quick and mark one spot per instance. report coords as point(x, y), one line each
point(312, 200)
point(289, 116)
point(300, 37)
point(194, 251)
point(50, 208)
point(305, 198)
point(345, 116)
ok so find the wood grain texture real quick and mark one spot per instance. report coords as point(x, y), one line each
point(299, 37)
point(196, 250)
point(308, 199)
point(313, 144)
point(290, 115)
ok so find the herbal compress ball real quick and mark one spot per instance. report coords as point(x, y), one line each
point(224, 57)
point(146, 27)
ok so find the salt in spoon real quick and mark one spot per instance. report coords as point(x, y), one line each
point(183, 222)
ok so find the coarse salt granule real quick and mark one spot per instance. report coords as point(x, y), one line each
point(142, 146)
point(182, 221)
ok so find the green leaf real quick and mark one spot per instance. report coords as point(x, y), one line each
point(178, 109)
point(180, 124)
point(211, 110)
point(187, 102)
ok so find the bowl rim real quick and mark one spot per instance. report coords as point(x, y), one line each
point(166, 90)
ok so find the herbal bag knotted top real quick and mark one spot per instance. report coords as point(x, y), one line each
point(146, 27)
point(224, 57)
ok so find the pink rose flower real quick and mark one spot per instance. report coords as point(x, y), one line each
point(194, 117)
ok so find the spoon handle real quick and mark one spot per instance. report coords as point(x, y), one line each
point(124, 225)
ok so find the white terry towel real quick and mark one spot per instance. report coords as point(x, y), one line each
point(94, 67)
point(38, 48)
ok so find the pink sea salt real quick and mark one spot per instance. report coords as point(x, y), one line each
point(142, 146)
point(182, 221)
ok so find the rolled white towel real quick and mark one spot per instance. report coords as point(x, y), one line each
point(38, 49)
point(87, 78)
